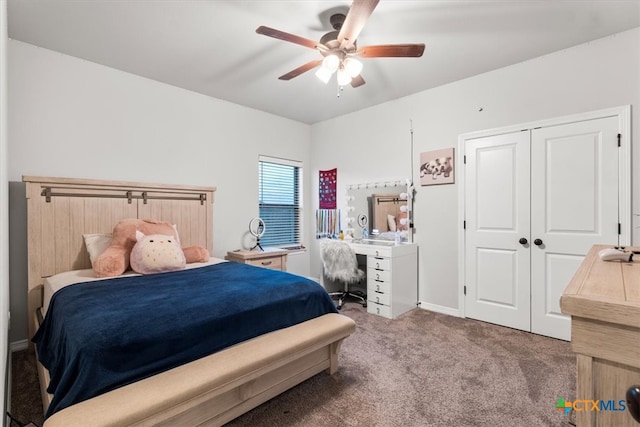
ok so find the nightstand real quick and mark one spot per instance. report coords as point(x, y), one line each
point(275, 259)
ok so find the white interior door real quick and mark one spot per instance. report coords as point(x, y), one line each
point(497, 216)
point(574, 205)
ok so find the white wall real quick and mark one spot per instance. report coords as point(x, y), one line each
point(4, 207)
point(74, 118)
point(373, 144)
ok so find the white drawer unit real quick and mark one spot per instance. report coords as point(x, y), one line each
point(392, 278)
point(379, 284)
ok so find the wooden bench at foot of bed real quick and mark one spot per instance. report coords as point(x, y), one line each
point(220, 387)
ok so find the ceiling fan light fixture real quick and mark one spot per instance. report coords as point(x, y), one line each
point(338, 48)
point(324, 74)
point(331, 63)
point(343, 77)
point(352, 66)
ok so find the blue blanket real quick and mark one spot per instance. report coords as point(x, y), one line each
point(101, 335)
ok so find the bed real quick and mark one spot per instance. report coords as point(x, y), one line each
point(209, 390)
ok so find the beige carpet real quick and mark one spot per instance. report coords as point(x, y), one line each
point(422, 369)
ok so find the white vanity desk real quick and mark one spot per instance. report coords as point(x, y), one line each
point(392, 276)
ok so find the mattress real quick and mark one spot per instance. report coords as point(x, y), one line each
point(58, 281)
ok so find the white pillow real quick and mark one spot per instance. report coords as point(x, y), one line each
point(391, 222)
point(96, 244)
point(175, 228)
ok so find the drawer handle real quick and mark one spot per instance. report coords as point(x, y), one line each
point(378, 277)
point(378, 310)
point(378, 265)
point(377, 287)
point(266, 262)
point(378, 300)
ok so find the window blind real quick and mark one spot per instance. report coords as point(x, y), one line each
point(279, 202)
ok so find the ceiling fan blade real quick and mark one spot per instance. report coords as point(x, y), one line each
point(354, 22)
point(292, 38)
point(301, 69)
point(392, 50)
point(357, 81)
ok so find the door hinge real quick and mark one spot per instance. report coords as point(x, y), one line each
point(465, 290)
point(619, 228)
point(619, 138)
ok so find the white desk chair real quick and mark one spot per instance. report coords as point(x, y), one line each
point(340, 264)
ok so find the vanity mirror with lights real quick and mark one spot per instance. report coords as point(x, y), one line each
point(373, 211)
point(378, 210)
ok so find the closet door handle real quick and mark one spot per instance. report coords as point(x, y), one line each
point(523, 241)
point(537, 242)
point(633, 401)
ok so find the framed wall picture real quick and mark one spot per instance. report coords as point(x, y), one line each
point(437, 167)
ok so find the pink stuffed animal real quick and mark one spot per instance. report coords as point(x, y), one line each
point(156, 253)
point(115, 259)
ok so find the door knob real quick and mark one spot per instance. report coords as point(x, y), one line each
point(523, 241)
point(537, 242)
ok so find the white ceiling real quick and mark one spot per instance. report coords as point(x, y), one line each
point(211, 46)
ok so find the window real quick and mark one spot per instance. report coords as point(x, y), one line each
point(279, 201)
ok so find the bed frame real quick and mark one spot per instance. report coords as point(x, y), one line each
point(209, 391)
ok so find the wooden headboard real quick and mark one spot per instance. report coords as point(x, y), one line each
point(61, 210)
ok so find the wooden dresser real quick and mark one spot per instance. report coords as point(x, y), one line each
point(275, 259)
point(603, 299)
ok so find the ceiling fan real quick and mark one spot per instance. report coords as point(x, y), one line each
point(339, 47)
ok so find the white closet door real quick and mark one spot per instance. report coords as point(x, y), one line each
point(497, 217)
point(574, 205)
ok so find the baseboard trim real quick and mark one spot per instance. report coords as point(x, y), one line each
point(439, 309)
point(18, 345)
